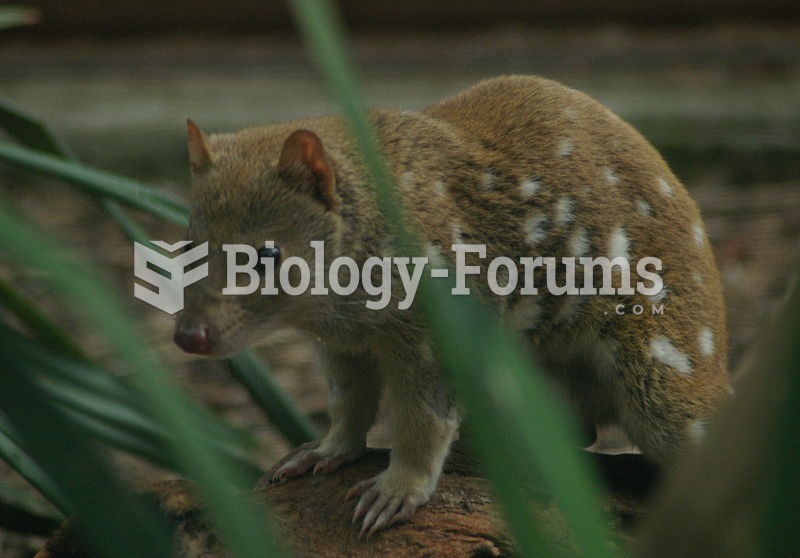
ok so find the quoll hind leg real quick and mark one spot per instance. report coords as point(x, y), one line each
point(669, 412)
point(354, 394)
point(423, 425)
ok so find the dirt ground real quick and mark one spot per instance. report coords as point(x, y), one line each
point(721, 103)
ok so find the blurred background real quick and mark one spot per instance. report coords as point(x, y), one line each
point(715, 86)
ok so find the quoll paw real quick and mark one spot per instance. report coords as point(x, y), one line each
point(316, 455)
point(386, 500)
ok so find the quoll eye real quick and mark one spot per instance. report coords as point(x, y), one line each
point(274, 252)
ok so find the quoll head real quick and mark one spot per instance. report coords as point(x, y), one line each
point(248, 188)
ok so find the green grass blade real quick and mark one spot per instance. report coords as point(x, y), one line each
point(247, 369)
point(53, 442)
point(33, 133)
point(522, 433)
point(61, 368)
point(120, 428)
point(22, 463)
point(30, 131)
point(36, 322)
point(118, 437)
point(241, 525)
point(101, 183)
point(14, 16)
point(495, 358)
point(21, 514)
point(322, 29)
point(781, 485)
point(252, 373)
point(130, 227)
point(115, 411)
point(108, 412)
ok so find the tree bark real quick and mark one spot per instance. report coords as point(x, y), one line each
point(461, 520)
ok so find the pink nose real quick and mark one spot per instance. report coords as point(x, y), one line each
point(192, 336)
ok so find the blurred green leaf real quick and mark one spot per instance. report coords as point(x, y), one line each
point(781, 484)
point(20, 461)
point(247, 368)
point(251, 372)
point(56, 445)
point(241, 525)
point(113, 411)
point(91, 382)
point(14, 16)
point(101, 183)
point(36, 322)
point(533, 439)
point(30, 131)
point(322, 29)
point(33, 133)
point(522, 434)
point(20, 513)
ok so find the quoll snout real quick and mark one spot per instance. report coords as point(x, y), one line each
point(193, 335)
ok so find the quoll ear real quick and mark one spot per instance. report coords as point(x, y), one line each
point(199, 151)
point(303, 155)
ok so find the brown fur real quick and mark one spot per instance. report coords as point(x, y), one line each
point(522, 165)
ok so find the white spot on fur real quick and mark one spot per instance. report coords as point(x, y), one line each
point(529, 187)
point(525, 314)
point(644, 208)
point(569, 308)
point(426, 351)
point(534, 229)
point(570, 113)
point(438, 188)
point(618, 244)
point(665, 352)
point(611, 176)
point(578, 244)
point(659, 296)
point(407, 180)
point(705, 338)
point(563, 212)
point(487, 180)
point(664, 186)
point(435, 256)
point(697, 278)
point(565, 148)
point(699, 235)
point(696, 431)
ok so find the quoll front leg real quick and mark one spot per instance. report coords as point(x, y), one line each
point(355, 388)
point(423, 425)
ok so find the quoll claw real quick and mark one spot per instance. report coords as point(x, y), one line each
point(313, 458)
point(329, 464)
point(382, 505)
